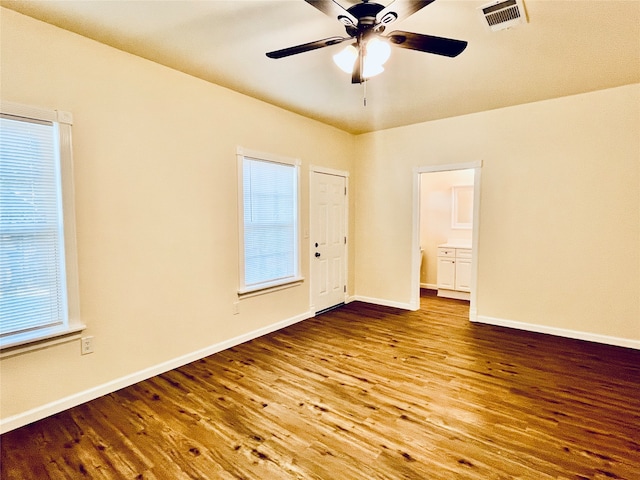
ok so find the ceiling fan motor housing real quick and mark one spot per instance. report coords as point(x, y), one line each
point(366, 14)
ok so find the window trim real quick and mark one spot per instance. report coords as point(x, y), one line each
point(245, 291)
point(50, 336)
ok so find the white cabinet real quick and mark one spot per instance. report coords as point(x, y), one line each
point(446, 273)
point(446, 268)
point(454, 271)
point(463, 275)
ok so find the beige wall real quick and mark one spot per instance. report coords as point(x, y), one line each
point(435, 218)
point(559, 231)
point(156, 204)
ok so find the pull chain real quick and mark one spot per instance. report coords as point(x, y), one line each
point(364, 93)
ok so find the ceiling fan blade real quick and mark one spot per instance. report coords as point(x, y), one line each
point(305, 47)
point(427, 43)
point(334, 10)
point(399, 10)
point(356, 76)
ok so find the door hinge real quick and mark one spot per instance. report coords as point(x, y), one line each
point(345, 190)
point(345, 289)
point(345, 240)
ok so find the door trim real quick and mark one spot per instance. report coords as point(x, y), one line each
point(328, 171)
point(308, 233)
point(415, 244)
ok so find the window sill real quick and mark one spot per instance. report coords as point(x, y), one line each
point(47, 340)
point(263, 289)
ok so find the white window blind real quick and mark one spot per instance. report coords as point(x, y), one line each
point(270, 223)
point(33, 283)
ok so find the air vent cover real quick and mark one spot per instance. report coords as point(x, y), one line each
point(503, 14)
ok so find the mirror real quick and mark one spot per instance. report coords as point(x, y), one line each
point(462, 207)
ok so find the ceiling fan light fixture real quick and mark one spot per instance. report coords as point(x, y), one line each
point(346, 58)
point(371, 69)
point(377, 52)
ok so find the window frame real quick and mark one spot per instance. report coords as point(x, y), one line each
point(72, 326)
point(245, 290)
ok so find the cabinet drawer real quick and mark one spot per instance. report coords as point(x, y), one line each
point(446, 252)
point(463, 253)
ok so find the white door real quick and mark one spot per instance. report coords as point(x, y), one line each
point(328, 240)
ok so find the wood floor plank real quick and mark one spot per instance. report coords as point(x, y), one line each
point(360, 392)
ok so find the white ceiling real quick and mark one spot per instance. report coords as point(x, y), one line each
point(567, 47)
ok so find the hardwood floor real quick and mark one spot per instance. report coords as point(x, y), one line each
point(362, 392)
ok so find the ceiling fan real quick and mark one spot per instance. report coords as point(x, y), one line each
point(365, 22)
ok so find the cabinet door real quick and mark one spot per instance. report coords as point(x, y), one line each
point(446, 273)
point(463, 275)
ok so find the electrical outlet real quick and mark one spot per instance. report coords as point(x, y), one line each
point(86, 345)
point(236, 308)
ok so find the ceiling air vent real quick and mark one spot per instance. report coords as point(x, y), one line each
point(503, 14)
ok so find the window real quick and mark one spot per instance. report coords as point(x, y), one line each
point(38, 279)
point(268, 221)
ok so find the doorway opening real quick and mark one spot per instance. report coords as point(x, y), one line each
point(446, 220)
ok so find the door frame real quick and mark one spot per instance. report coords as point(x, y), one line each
point(415, 244)
point(309, 233)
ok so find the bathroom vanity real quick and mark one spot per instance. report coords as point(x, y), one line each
point(454, 270)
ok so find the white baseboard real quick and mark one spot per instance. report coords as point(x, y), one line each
point(38, 413)
point(560, 332)
point(386, 303)
point(455, 294)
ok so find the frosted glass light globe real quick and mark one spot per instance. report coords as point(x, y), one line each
point(377, 52)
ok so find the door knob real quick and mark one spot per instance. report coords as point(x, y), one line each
point(317, 254)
